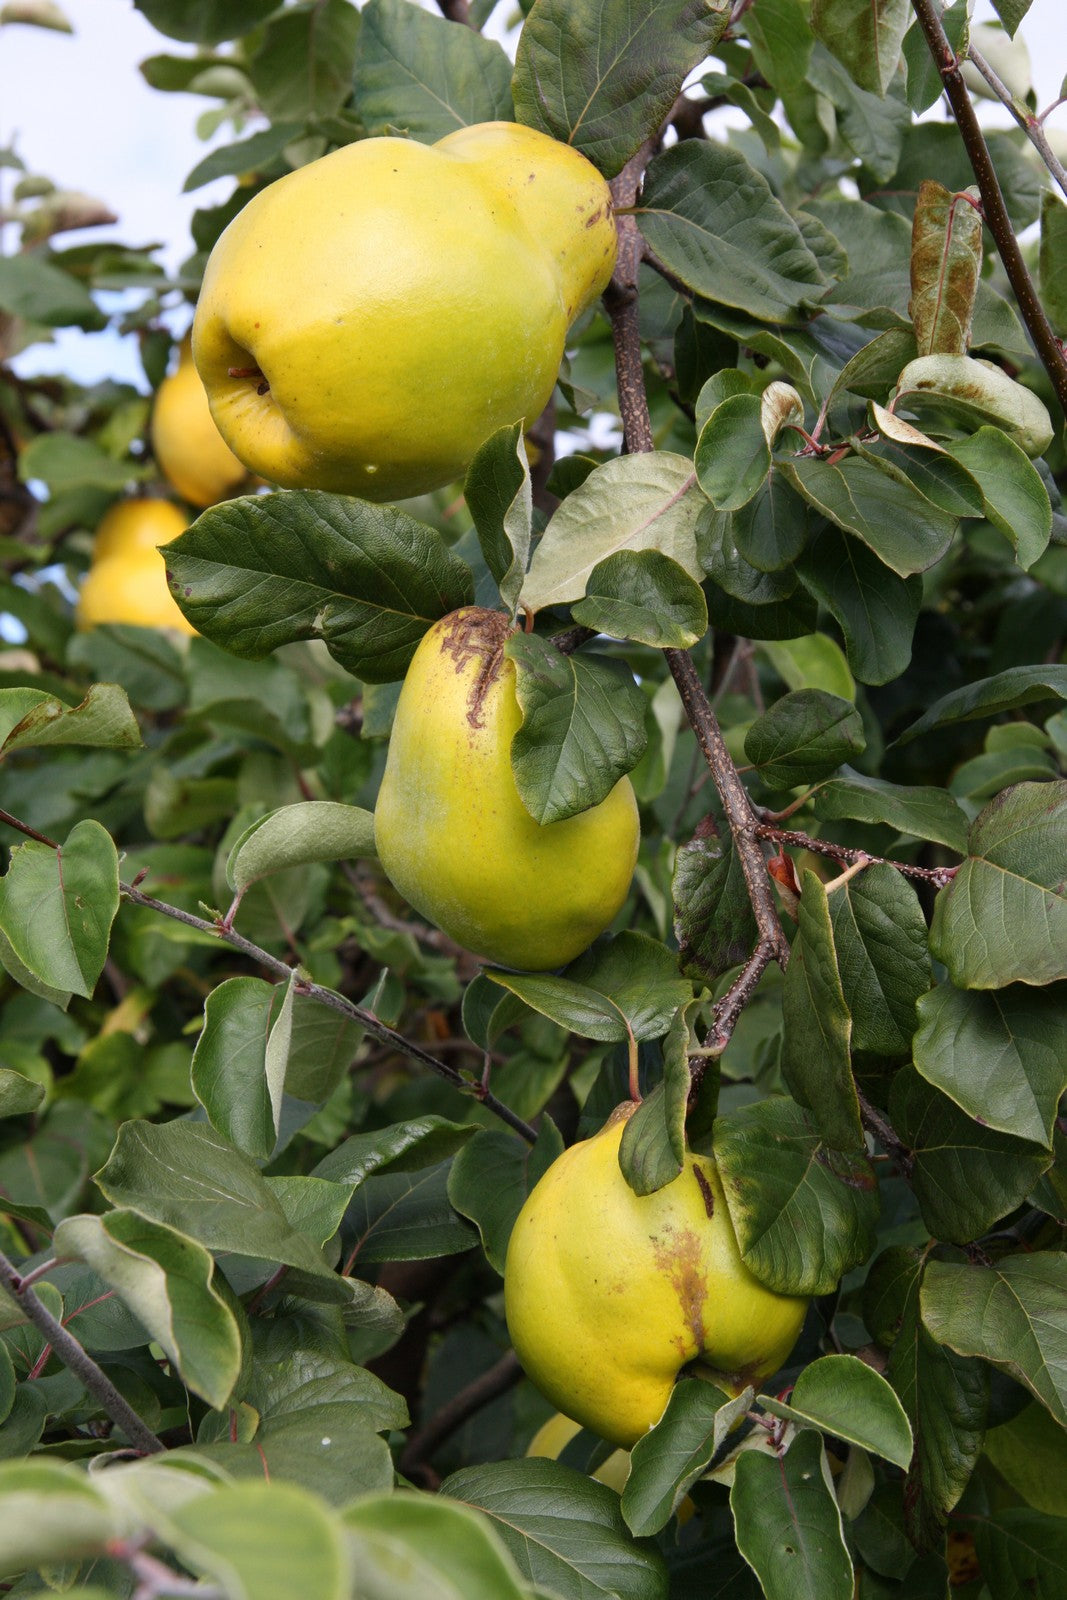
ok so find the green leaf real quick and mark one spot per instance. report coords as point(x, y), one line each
point(865, 37)
point(624, 987)
point(267, 570)
point(876, 610)
point(817, 1025)
point(781, 40)
point(733, 454)
point(18, 1095)
point(635, 502)
point(716, 223)
point(880, 941)
point(1030, 1453)
point(966, 1177)
point(1015, 497)
point(491, 1178)
point(583, 727)
point(644, 596)
point(499, 497)
point(303, 63)
point(667, 1461)
point(945, 1397)
point(50, 1512)
point(1011, 13)
point(813, 661)
point(713, 918)
point(1052, 261)
point(205, 22)
point(186, 1176)
point(997, 1054)
point(294, 836)
point(787, 1522)
point(403, 1146)
point(1010, 1314)
point(652, 1151)
point(165, 1279)
point(258, 153)
point(418, 75)
point(871, 125)
point(263, 1541)
point(728, 569)
point(1021, 1551)
point(923, 811)
point(603, 78)
point(876, 502)
point(842, 1396)
point(1003, 918)
point(946, 264)
point(564, 1531)
point(421, 1547)
point(803, 1214)
point(32, 718)
point(772, 529)
point(803, 737)
point(33, 288)
point(242, 1016)
point(925, 83)
point(66, 462)
point(57, 907)
point(989, 697)
point(405, 1216)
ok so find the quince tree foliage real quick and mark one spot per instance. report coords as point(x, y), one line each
point(785, 550)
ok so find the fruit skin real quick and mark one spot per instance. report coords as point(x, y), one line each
point(451, 831)
point(609, 1294)
point(189, 450)
point(127, 578)
point(553, 1437)
point(397, 303)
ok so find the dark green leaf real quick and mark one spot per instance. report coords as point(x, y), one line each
point(565, 1531)
point(669, 1459)
point(403, 1146)
point(771, 530)
point(922, 811)
point(603, 77)
point(966, 1176)
point(803, 1214)
point(369, 580)
point(205, 21)
point(816, 1062)
point(32, 288)
point(57, 907)
point(644, 596)
point(876, 502)
point(302, 67)
point(880, 938)
point(1010, 1314)
point(406, 1216)
point(713, 918)
point(781, 39)
point(1016, 500)
point(716, 223)
point(733, 455)
point(498, 495)
point(418, 75)
point(842, 1396)
point(989, 697)
point(876, 610)
point(623, 987)
point(491, 1178)
point(803, 737)
point(1022, 1552)
point(258, 153)
point(583, 727)
point(787, 1522)
point(295, 836)
point(865, 37)
point(1003, 918)
point(1011, 13)
point(871, 125)
point(925, 83)
point(653, 1148)
point(1052, 261)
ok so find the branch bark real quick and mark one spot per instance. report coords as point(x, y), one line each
point(75, 1357)
point(1048, 347)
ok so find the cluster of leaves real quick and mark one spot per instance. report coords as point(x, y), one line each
point(264, 1136)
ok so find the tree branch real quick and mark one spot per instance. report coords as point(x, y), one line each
point(938, 876)
point(995, 211)
point(495, 1381)
point(1031, 125)
point(74, 1357)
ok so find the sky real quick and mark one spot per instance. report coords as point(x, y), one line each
point(79, 112)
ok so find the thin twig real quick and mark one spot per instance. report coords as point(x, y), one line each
point(1032, 125)
point(882, 1129)
point(495, 1381)
point(76, 1359)
point(1048, 347)
point(938, 876)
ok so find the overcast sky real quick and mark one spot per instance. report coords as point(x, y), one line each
point(80, 113)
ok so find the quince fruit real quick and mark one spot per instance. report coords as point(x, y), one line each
point(127, 578)
point(608, 1294)
point(190, 451)
point(453, 834)
point(369, 320)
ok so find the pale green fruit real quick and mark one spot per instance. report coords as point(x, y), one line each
point(608, 1294)
point(369, 320)
point(452, 832)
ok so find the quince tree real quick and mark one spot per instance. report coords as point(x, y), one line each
point(533, 927)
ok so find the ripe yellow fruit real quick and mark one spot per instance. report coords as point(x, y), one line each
point(452, 832)
point(608, 1294)
point(130, 525)
point(127, 579)
point(129, 588)
point(553, 1437)
point(189, 450)
point(367, 321)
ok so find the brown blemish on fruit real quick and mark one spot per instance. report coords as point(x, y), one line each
point(477, 635)
point(706, 1192)
point(679, 1259)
